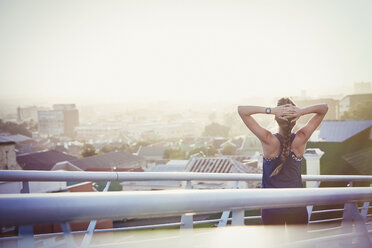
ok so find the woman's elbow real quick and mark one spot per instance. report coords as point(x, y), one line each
point(239, 108)
point(325, 108)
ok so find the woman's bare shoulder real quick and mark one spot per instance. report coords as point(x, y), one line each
point(272, 148)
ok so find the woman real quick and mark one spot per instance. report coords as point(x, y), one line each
point(283, 152)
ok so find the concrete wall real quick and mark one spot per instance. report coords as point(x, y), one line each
point(8, 157)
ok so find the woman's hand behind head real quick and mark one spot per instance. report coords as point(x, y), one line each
point(282, 112)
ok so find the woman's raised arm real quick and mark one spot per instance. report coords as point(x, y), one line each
point(304, 133)
point(262, 134)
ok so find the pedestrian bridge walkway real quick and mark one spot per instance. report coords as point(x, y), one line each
point(353, 229)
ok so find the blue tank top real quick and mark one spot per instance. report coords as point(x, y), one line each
point(288, 177)
point(290, 174)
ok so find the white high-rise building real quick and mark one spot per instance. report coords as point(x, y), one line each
point(62, 120)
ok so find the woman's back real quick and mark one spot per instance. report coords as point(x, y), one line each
point(290, 174)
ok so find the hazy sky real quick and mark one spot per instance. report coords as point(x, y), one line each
point(110, 50)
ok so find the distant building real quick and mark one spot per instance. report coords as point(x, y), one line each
point(362, 88)
point(113, 161)
point(332, 113)
point(345, 145)
point(340, 131)
point(89, 132)
point(43, 160)
point(165, 130)
point(62, 120)
point(23, 144)
point(152, 154)
point(223, 165)
point(27, 113)
point(350, 101)
point(171, 166)
point(360, 160)
point(16, 138)
point(7, 155)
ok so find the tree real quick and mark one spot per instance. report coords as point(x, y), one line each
point(14, 128)
point(107, 148)
point(228, 150)
point(88, 150)
point(361, 111)
point(125, 148)
point(134, 147)
point(174, 154)
point(216, 129)
point(208, 151)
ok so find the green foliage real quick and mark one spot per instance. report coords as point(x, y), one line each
point(229, 150)
point(108, 148)
point(216, 129)
point(208, 151)
point(176, 153)
point(88, 150)
point(361, 111)
point(114, 186)
point(134, 148)
point(125, 148)
point(14, 128)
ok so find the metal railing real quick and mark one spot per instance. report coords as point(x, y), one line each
point(25, 209)
point(18, 209)
point(48, 176)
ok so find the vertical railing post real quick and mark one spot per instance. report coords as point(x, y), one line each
point(92, 225)
point(188, 184)
point(26, 232)
point(364, 210)
point(237, 217)
point(187, 220)
point(68, 235)
point(225, 214)
point(351, 215)
point(310, 207)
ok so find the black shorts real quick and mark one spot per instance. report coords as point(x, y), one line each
point(298, 216)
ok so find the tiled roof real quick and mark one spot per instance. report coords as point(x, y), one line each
point(109, 161)
point(17, 138)
point(339, 131)
point(5, 141)
point(167, 168)
point(360, 160)
point(178, 162)
point(44, 160)
point(240, 158)
point(150, 151)
point(217, 165)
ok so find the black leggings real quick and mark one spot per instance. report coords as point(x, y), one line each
point(296, 217)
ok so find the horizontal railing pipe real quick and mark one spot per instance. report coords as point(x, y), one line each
point(24, 209)
point(75, 176)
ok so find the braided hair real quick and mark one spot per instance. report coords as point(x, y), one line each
point(287, 126)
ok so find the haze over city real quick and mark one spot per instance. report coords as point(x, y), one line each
point(193, 123)
point(193, 51)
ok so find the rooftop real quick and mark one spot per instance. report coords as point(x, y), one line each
point(43, 160)
point(109, 161)
point(339, 131)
